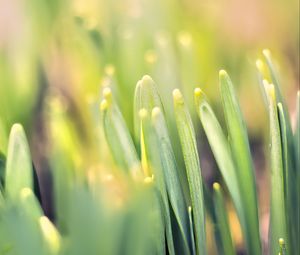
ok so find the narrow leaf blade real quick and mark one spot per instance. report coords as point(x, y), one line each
point(191, 158)
point(18, 166)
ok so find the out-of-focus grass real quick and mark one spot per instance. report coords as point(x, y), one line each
point(57, 56)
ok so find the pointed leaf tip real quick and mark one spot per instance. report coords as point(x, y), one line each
point(223, 74)
point(259, 65)
point(107, 93)
point(143, 113)
point(147, 78)
point(103, 105)
point(216, 186)
point(177, 96)
point(198, 92)
point(267, 53)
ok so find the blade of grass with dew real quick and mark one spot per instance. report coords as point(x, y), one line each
point(221, 150)
point(290, 183)
point(171, 177)
point(192, 230)
point(222, 221)
point(118, 136)
point(18, 173)
point(280, 99)
point(189, 148)
point(278, 227)
point(153, 159)
point(239, 144)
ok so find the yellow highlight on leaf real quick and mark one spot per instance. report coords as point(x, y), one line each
point(51, 235)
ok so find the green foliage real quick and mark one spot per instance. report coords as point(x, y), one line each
point(137, 204)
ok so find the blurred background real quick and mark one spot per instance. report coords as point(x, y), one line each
point(56, 56)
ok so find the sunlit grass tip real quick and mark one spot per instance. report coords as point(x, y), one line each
point(177, 96)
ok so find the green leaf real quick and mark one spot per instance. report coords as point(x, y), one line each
point(192, 230)
point(297, 148)
point(157, 217)
point(18, 165)
point(146, 97)
point(155, 165)
point(282, 247)
point(221, 150)
point(222, 221)
point(280, 99)
point(290, 184)
point(51, 237)
point(2, 170)
point(171, 177)
point(118, 136)
point(278, 227)
point(191, 158)
point(30, 204)
point(239, 144)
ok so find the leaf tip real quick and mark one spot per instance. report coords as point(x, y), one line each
point(259, 65)
point(177, 96)
point(222, 74)
point(281, 242)
point(216, 186)
point(107, 94)
point(149, 179)
point(270, 90)
point(155, 112)
point(267, 53)
point(17, 128)
point(143, 113)
point(147, 78)
point(198, 92)
point(103, 105)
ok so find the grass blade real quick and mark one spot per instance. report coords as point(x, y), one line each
point(297, 149)
point(192, 230)
point(239, 144)
point(282, 247)
point(51, 236)
point(290, 183)
point(157, 216)
point(222, 221)
point(278, 228)
point(280, 99)
point(146, 97)
point(170, 170)
point(221, 150)
point(30, 203)
point(153, 159)
point(118, 136)
point(2, 171)
point(189, 148)
point(18, 165)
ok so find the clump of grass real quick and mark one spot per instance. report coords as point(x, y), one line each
point(142, 206)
